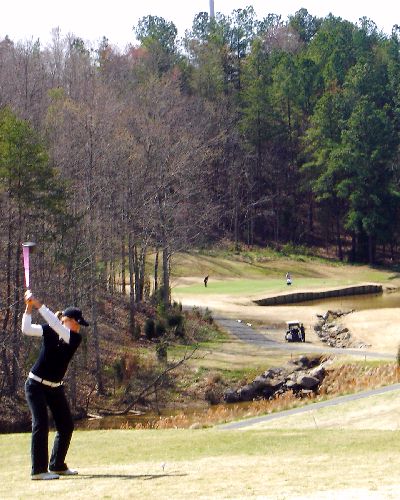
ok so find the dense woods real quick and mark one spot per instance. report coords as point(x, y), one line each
point(263, 131)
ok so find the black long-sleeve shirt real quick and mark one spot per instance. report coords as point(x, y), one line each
point(58, 345)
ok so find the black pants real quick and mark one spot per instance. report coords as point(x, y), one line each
point(40, 397)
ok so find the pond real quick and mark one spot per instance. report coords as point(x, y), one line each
point(383, 300)
point(117, 422)
point(146, 419)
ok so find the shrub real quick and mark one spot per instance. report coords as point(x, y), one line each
point(176, 322)
point(157, 297)
point(196, 311)
point(162, 352)
point(119, 369)
point(149, 328)
point(180, 330)
point(136, 332)
point(208, 316)
point(160, 328)
point(161, 311)
point(174, 319)
point(296, 250)
point(177, 305)
point(146, 288)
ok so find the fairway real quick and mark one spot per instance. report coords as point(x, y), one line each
point(255, 287)
point(212, 463)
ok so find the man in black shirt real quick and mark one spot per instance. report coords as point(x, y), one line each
point(43, 388)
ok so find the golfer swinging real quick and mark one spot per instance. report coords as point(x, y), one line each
point(43, 388)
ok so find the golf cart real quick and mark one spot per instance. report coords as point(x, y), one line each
point(295, 332)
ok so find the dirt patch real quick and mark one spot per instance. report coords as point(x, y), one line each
point(379, 327)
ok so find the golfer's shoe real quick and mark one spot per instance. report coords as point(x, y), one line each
point(66, 472)
point(44, 476)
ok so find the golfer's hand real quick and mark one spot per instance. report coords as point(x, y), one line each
point(31, 301)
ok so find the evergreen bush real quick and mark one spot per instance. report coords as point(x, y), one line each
point(149, 328)
point(160, 328)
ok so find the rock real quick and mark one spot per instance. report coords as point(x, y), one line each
point(260, 380)
point(213, 395)
point(308, 382)
point(247, 393)
point(273, 372)
point(231, 396)
point(269, 391)
point(301, 375)
point(306, 392)
point(276, 384)
point(318, 372)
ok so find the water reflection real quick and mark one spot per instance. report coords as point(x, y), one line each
point(193, 413)
point(130, 420)
point(357, 302)
point(117, 422)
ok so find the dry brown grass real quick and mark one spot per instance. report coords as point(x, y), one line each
point(350, 378)
point(222, 413)
point(340, 380)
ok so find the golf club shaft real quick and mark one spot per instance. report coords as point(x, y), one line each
point(25, 251)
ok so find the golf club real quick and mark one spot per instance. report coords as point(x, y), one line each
point(27, 247)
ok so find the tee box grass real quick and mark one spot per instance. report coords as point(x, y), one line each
point(208, 463)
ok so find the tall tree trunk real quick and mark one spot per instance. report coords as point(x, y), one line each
point(96, 343)
point(310, 219)
point(165, 263)
point(123, 265)
point(371, 250)
point(132, 306)
point(137, 273)
point(353, 247)
point(142, 271)
point(16, 326)
point(338, 238)
point(236, 224)
point(156, 270)
point(6, 364)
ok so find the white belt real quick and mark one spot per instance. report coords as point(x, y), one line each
point(43, 381)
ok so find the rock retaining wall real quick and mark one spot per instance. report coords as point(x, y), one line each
point(292, 298)
point(332, 332)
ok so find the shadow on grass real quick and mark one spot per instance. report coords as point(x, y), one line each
point(145, 477)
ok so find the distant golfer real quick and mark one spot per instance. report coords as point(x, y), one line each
point(43, 388)
point(288, 279)
point(205, 281)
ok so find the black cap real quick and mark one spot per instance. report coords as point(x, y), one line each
point(76, 314)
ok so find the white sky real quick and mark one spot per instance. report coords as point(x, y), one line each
point(91, 19)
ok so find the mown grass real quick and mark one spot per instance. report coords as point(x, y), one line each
point(208, 463)
point(243, 287)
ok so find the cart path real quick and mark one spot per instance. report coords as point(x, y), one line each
point(247, 334)
point(310, 407)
